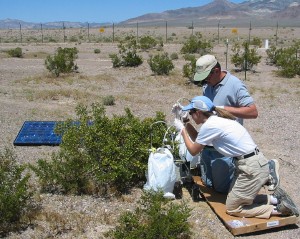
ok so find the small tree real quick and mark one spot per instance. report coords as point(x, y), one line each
point(244, 59)
point(161, 64)
point(127, 56)
point(62, 61)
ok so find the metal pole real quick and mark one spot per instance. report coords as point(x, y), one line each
point(113, 36)
point(276, 34)
point(249, 32)
point(64, 32)
point(192, 28)
point(137, 32)
point(166, 32)
point(42, 33)
point(226, 52)
point(88, 32)
point(20, 32)
point(219, 32)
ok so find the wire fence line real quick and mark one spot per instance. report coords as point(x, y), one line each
point(168, 33)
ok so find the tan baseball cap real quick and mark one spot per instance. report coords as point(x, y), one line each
point(203, 66)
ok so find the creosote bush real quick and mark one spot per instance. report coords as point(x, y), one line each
point(62, 61)
point(147, 42)
point(286, 59)
point(15, 195)
point(99, 155)
point(161, 64)
point(244, 59)
point(189, 69)
point(154, 217)
point(127, 56)
point(16, 52)
point(196, 44)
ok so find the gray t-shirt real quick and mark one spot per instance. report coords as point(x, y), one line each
point(231, 91)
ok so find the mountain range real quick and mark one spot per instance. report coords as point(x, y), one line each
point(259, 12)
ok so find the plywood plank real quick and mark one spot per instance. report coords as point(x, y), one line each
point(236, 225)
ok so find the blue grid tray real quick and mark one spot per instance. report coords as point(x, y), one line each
point(34, 133)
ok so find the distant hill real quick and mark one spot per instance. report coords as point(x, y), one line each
point(264, 12)
point(259, 12)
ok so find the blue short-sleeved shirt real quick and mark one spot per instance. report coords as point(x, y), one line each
point(231, 91)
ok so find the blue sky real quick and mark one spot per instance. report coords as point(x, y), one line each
point(41, 11)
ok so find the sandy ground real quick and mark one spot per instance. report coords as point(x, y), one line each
point(27, 92)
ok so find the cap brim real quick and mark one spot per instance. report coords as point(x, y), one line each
point(188, 107)
point(201, 76)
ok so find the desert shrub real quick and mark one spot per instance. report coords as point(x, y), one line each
point(174, 56)
point(62, 61)
point(97, 51)
point(15, 194)
point(286, 59)
point(147, 42)
point(243, 57)
point(154, 217)
point(108, 100)
point(196, 44)
point(256, 42)
point(189, 68)
point(16, 52)
point(161, 64)
point(127, 56)
point(99, 155)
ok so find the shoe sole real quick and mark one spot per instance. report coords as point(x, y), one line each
point(280, 194)
point(273, 187)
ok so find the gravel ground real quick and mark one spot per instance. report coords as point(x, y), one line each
point(24, 88)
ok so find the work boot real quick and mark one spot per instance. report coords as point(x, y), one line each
point(273, 181)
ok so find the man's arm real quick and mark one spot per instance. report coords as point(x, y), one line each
point(244, 112)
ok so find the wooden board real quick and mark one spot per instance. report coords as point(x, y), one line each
point(237, 225)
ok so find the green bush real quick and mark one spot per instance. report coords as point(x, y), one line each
point(97, 51)
point(244, 59)
point(107, 154)
point(161, 64)
point(147, 42)
point(154, 217)
point(196, 44)
point(189, 68)
point(16, 52)
point(127, 56)
point(15, 195)
point(62, 61)
point(174, 56)
point(109, 100)
point(256, 42)
point(286, 59)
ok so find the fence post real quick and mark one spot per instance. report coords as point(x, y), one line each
point(20, 32)
point(219, 32)
point(113, 36)
point(64, 31)
point(88, 32)
point(192, 28)
point(42, 33)
point(166, 31)
point(137, 32)
point(276, 34)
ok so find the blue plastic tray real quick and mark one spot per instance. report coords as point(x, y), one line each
point(34, 133)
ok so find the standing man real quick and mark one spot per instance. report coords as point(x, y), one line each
point(228, 92)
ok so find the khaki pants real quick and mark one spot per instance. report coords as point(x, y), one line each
point(242, 201)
